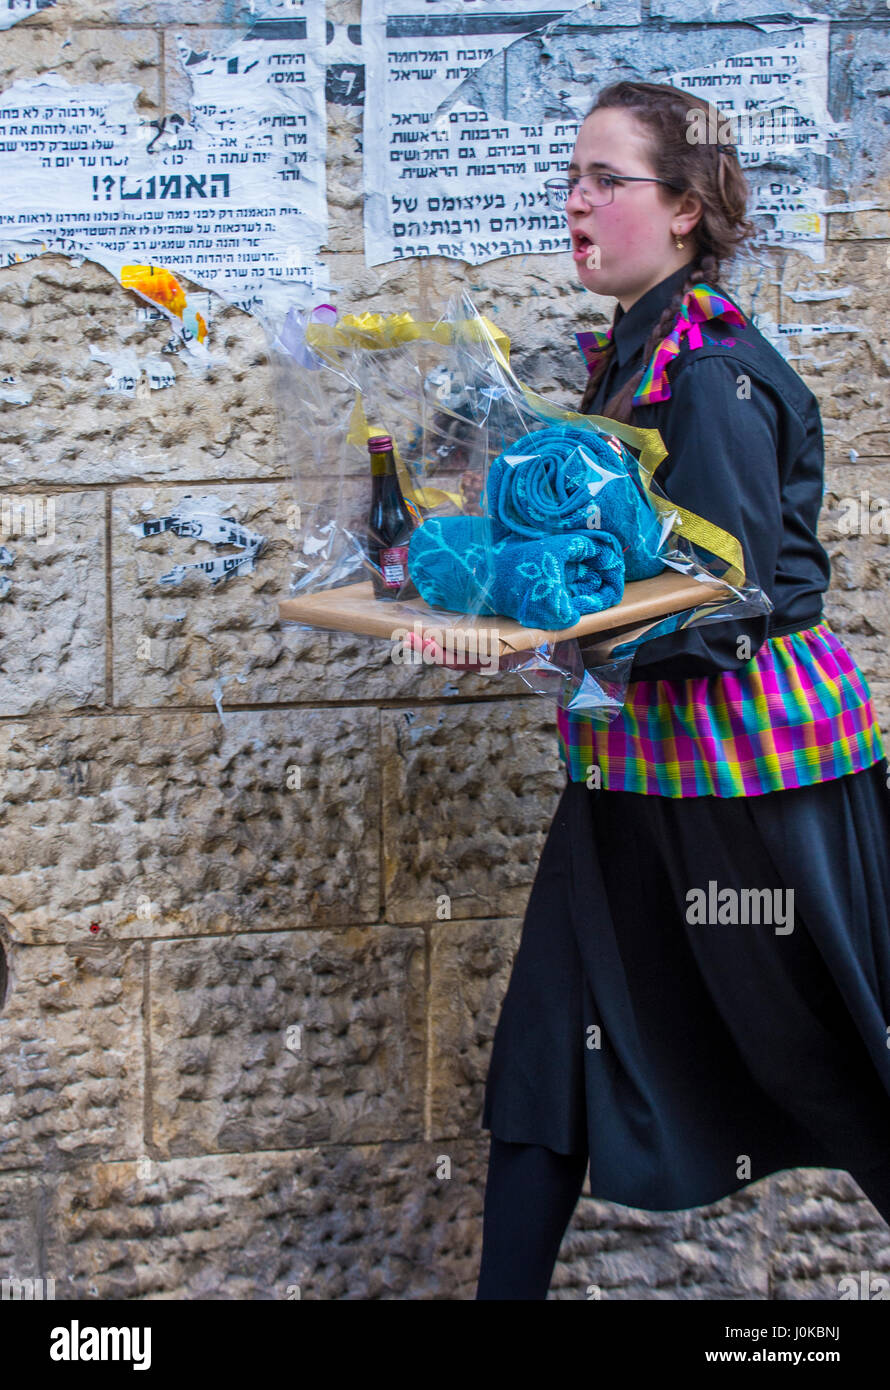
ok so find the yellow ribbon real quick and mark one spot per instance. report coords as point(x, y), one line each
point(379, 332)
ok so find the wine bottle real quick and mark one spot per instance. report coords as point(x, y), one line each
point(389, 524)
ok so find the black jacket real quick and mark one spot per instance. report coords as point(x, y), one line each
point(753, 466)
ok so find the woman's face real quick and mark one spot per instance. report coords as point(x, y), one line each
point(624, 247)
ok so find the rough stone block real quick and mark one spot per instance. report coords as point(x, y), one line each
point(180, 825)
point(82, 55)
point(53, 617)
point(209, 424)
point(344, 1222)
point(72, 1091)
point(283, 1040)
point(192, 642)
point(824, 1231)
point(844, 369)
point(470, 965)
point(469, 793)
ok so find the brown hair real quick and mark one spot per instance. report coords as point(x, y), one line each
point(710, 169)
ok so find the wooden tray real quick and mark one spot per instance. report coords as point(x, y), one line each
point(355, 609)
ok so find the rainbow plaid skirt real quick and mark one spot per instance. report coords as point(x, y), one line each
point(799, 712)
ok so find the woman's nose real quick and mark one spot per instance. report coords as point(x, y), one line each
point(576, 201)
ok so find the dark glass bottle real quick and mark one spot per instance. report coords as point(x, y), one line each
point(389, 524)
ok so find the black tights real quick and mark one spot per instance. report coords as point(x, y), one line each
point(530, 1195)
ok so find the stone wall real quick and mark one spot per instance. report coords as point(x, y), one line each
point(241, 1053)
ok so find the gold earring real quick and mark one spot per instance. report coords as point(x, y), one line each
point(678, 243)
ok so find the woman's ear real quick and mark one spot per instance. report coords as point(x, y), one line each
point(687, 213)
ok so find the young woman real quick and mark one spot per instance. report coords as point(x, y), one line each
point(683, 1058)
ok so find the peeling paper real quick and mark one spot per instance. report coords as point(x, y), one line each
point(789, 83)
point(557, 69)
point(14, 10)
point(197, 520)
point(457, 186)
point(127, 371)
point(14, 395)
point(809, 296)
point(234, 198)
point(7, 557)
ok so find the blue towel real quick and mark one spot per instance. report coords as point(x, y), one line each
point(548, 581)
point(562, 478)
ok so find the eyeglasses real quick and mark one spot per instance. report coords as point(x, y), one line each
point(596, 189)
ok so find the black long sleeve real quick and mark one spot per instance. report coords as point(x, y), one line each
point(723, 465)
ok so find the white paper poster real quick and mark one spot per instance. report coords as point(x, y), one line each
point(777, 100)
point(231, 195)
point(462, 186)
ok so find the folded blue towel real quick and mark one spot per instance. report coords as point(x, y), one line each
point(567, 479)
point(548, 582)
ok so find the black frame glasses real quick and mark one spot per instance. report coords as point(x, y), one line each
point(559, 191)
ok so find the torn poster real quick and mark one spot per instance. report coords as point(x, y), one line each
point(233, 198)
point(194, 519)
point(776, 85)
point(134, 376)
point(776, 101)
point(11, 11)
point(461, 184)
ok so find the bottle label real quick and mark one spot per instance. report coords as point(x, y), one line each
point(394, 564)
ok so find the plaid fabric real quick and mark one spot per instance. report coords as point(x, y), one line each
point(799, 712)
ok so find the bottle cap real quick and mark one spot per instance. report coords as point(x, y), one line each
point(379, 444)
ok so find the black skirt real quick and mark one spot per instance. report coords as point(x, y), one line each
point(689, 1058)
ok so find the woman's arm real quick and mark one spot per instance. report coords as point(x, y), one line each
point(723, 465)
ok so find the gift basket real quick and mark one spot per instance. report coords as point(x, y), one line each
point(450, 511)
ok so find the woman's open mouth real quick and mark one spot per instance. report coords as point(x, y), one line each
point(581, 246)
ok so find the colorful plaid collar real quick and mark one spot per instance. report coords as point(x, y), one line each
point(700, 304)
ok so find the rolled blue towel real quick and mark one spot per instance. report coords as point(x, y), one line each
point(567, 479)
point(547, 582)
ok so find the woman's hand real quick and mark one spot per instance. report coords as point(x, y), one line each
point(435, 655)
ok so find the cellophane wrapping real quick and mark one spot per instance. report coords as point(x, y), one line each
point(518, 508)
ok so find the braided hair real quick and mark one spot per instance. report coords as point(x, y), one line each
point(712, 171)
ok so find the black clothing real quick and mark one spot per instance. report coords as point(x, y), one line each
point(687, 1060)
point(530, 1194)
point(754, 466)
point(716, 1040)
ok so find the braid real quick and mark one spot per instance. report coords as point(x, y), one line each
point(596, 376)
point(620, 405)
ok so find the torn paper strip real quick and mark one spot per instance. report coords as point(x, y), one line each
point(12, 393)
point(7, 557)
point(230, 195)
point(11, 11)
point(131, 375)
point(194, 519)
